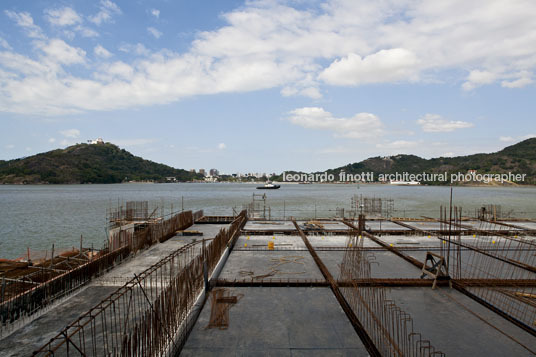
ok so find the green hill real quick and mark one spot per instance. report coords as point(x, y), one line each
point(86, 163)
point(519, 159)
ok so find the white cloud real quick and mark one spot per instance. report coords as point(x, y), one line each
point(138, 49)
point(436, 123)
point(222, 146)
point(4, 44)
point(52, 140)
point(155, 13)
point(25, 20)
point(523, 79)
point(116, 70)
point(61, 52)
point(311, 92)
point(102, 52)
point(154, 32)
point(70, 133)
point(86, 31)
point(477, 78)
point(361, 125)
point(384, 66)
point(506, 139)
point(510, 139)
point(65, 16)
point(107, 10)
point(269, 44)
point(10, 146)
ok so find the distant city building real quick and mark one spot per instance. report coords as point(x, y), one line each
point(214, 172)
point(96, 141)
point(171, 179)
point(192, 171)
point(256, 174)
point(202, 172)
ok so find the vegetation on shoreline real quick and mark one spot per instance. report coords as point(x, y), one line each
point(519, 158)
point(87, 163)
point(107, 163)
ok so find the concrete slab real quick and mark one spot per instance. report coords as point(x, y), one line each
point(35, 334)
point(427, 226)
point(331, 225)
point(39, 330)
point(261, 242)
point(384, 225)
point(157, 252)
point(209, 230)
point(384, 264)
point(271, 264)
point(477, 224)
point(407, 241)
point(324, 240)
point(526, 225)
point(443, 317)
point(493, 245)
point(269, 225)
point(278, 321)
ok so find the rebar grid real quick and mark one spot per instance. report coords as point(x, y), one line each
point(147, 316)
point(494, 258)
point(57, 277)
point(390, 328)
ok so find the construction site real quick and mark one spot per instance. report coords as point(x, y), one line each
point(361, 282)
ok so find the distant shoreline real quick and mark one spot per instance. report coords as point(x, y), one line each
point(278, 182)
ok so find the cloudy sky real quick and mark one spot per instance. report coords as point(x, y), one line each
point(267, 85)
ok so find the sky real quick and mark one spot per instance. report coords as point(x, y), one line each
point(267, 86)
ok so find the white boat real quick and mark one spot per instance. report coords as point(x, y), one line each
point(405, 183)
point(268, 186)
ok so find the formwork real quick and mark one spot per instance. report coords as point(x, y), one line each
point(378, 287)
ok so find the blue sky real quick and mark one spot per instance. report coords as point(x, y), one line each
point(267, 86)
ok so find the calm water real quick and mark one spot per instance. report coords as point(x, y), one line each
point(37, 216)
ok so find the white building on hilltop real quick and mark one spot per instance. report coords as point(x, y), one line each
point(97, 141)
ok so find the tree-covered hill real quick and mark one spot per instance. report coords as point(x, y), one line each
point(519, 158)
point(87, 163)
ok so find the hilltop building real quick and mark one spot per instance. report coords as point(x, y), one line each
point(96, 141)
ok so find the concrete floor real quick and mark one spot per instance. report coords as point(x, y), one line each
point(526, 225)
point(47, 324)
point(442, 317)
point(281, 265)
point(269, 225)
point(384, 264)
point(261, 242)
point(384, 225)
point(35, 334)
point(291, 321)
point(278, 322)
point(427, 226)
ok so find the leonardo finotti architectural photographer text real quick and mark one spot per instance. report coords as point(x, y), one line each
point(405, 177)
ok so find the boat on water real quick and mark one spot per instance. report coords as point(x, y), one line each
point(268, 186)
point(405, 183)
